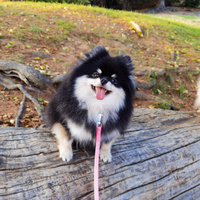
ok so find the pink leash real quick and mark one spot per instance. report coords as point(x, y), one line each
point(96, 162)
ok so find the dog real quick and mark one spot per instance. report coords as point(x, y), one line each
point(98, 83)
point(197, 101)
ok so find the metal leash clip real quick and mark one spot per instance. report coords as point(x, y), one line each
point(100, 116)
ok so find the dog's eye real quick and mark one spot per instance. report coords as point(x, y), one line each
point(95, 75)
point(113, 81)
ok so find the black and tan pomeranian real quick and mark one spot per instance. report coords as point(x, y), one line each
point(98, 83)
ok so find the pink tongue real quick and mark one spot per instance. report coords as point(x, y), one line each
point(100, 93)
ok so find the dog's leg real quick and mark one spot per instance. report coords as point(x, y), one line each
point(105, 152)
point(64, 142)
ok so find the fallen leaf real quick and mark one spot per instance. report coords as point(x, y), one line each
point(151, 107)
point(159, 92)
point(48, 73)
point(42, 71)
point(39, 99)
point(12, 121)
point(137, 28)
point(42, 67)
point(198, 60)
point(35, 120)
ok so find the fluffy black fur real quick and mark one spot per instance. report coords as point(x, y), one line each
point(65, 104)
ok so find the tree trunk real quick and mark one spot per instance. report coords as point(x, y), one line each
point(161, 8)
point(161, 3)
point(158, 158)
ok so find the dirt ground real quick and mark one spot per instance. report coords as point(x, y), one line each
point(65, 55)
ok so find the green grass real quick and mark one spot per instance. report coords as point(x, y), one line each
point(165, 104)
point(176, 31)
point(35, 29)
point(188, 17)
point(182, 91)
point(169, 78)
point(189, 76)
point(1, 7)
point(160, 87)
point(65, 25)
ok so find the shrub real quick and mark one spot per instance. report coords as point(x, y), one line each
point(187, 3)
point(191, 3)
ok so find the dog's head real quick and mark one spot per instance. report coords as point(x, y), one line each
point(102, 79)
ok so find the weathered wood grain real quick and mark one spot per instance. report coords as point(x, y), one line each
point(158, 158)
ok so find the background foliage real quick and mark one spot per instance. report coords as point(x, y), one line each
point(187, 3)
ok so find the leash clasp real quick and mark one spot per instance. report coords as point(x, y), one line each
point(100, 116)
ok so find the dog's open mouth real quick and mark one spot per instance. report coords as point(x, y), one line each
point(100, 92)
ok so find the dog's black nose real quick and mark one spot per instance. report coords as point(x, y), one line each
point(104, 80)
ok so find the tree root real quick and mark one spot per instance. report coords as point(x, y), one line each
point(34, 53)
point(58, 79)
point(37, 106)
point(23, 72)
point(158, 9)
point(7, 81)
point(162, 72)
point(186, 70)
point(146, 86)
point(150, 73)
point(140, 96)
point(34, 89)
point(15, 73)
point(20, 112)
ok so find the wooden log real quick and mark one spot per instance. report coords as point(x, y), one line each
point(158, 158)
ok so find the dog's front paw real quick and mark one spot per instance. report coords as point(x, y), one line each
point(105, 155)
point(66, 153)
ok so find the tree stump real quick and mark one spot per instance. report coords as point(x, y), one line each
point(158, 158)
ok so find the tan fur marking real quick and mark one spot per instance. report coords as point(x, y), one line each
point(64, 143)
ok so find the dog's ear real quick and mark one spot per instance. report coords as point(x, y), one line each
point(96, 51)
point(128, 62)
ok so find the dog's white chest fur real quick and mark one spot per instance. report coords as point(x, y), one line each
point(79, 133)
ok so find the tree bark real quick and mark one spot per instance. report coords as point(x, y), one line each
point(161, 3)
point(158, 158)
